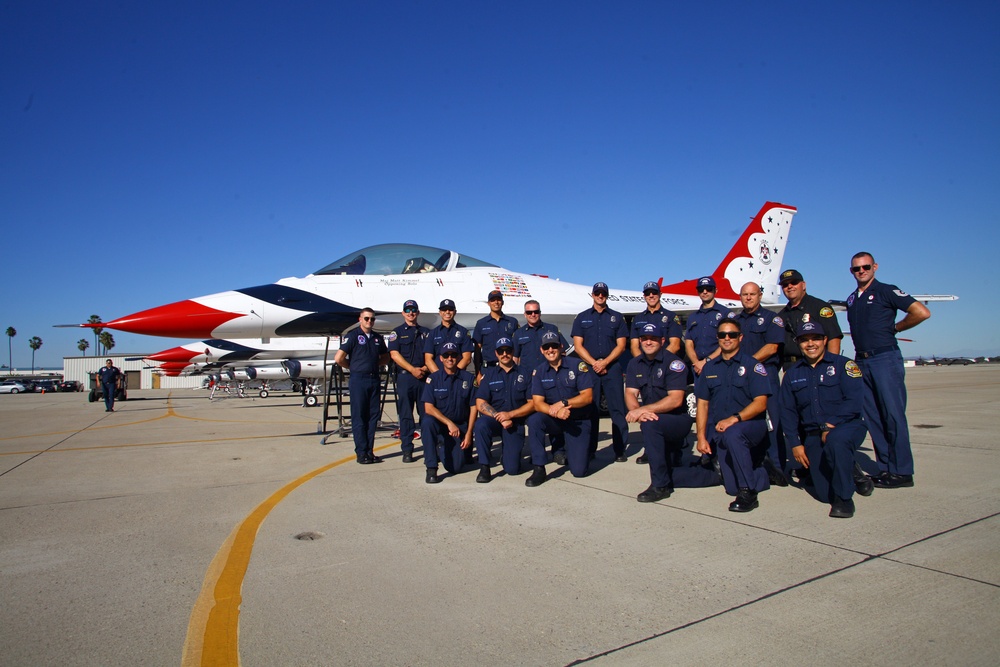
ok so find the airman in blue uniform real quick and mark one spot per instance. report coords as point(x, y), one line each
point(562, 390)
point(732, 393)
point(504, 403)
point(655, 384)
point(449, 331)
point(363, 352)
point(655, 313)
point(701, 343)
point(528, 337)
point(599, 336)
point(109, 377)
point(871, 311)
point(406, 348)
point(803, 307)
point(449, 414)
point(490, 329)
point(821, 398)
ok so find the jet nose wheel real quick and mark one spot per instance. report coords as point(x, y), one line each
point(311, 400)
point(264, 393)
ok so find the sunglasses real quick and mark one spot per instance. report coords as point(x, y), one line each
point(793, 283)
point(860, 268)
point(728, 334)
point(604, 294)
point(505, 350)
point(532, 312)
point(706, 289)
point(450, 355)
point(551, 346)
point(650, 292)
point(410, 310)
point(368, 319)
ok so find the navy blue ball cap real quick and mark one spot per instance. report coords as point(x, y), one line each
point(809, 328)
point(495, 295)
point(504, 342)
point(449, 347)
point(447, 304)
point(650, 286)
point(410, 303)
point(600, 288)
point(707, 281)
point(550, 337)
point(651, 329)
point(791, 276)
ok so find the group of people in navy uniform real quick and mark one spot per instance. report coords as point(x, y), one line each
point(522, 387)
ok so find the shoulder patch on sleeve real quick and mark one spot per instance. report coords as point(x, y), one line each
point(852, 369)
point(777, 320)
point(826, 311)
point(677, 366)
point(900, 292)
point(583, 367)
point(392, 336)
point(760, 370)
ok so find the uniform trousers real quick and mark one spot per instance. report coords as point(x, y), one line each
point(109, 395)
point(776, 438)
point(434, 434)
point(408, 392)
point(577, 432)
point(741, 449)
point(663, 437)
point(512, 441)
point(885, 411)
point(832, 463)
point(364, 412)
point(612, 386)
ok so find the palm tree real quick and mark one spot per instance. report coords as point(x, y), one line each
point(107, 341)
point(94, 319)
point(11, 332)
point(82, 345)
point(34, 343)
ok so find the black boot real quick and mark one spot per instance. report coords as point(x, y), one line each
point(432, 476)
point(484, 475)
point(537, 476)
point(746, 501)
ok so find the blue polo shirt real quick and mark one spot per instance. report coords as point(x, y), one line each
point(729, 386)
point(108, 375)
point(504, 390)
point(600, 331)
point(528, 344)
point(762, 327)
point(831, 392)
point(872, 315)
point(409, 342)
point(553, 385)
point(453, 395)
point(668, 321)
point(488, 331)
point(702, 326)
point(655, 377)
point(363, 350)
point(441, 334)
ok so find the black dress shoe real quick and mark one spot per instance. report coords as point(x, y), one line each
point(863, 484)
point(746, 501)
point(537, 477)
point(407, 457)
point(803, 475)
point(654, 493)
point(363, 460)
point(642, 459)
point(484, 476)
point(888, 480)
point(775, 476)
point(559, 458)
point(842, 509)
point(432, 476)
point(620, 458)
point(374, 459)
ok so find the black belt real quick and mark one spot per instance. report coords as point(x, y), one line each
point(878, 350)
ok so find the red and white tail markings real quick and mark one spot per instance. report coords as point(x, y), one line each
point(756, 256)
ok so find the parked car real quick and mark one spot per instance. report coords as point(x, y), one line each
point(71, 385)
point(12, 387)
point(46, 385)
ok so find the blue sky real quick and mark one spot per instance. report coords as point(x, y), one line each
point(152, 152)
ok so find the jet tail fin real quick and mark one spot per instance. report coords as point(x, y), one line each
point(756, 256)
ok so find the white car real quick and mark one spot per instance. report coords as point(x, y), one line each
point(12, 387)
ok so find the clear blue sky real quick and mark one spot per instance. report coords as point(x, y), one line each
point(152, 152)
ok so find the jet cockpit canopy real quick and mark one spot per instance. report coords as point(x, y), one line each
point(390, 259)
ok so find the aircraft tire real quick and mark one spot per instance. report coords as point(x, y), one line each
point(311, 401)
point(264, 393)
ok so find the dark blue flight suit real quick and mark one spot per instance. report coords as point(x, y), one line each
point(573, 376)
point(600, 333)
point(409, 342)
point(506, 391)
point(872, 316)
point(363, 352)
point(729, 386)
point(108, 377)
point(654, 378)
point(528, 344)
point(811, 397)
point(453, 395)
point(488, 331)
point(441, 334)
point(702, 328)
point(763, 327)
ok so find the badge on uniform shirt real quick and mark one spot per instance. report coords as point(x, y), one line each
point(899, 292)
point(428, 380)
point(520, 379)
point(665, 318)
point(718, 316)
point(392, 336)
point(826, 311)
point(362, 340)
point(659, 372)
point(583, 367)
point(612, 319)
point(871, 297)
point(831, 371)
point(852, 370)
point(741, 371)
point(458, 334)
point(465, 384)
point(760, 320)
point(760, 370)
point(805, 317)
point(777, 320)
point(571, 375)
point(677, 365)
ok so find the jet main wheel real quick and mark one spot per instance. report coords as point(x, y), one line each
point(311, 401)
point(264, 393)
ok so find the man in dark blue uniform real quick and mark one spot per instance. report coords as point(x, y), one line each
point(406, 348)
point(449, 331)
point(491, 328)
point(871, 311)
point(504, 403)
point(599, 336)
point(732, 393)
point(528, 338)
point(449, 414)
point(655, 383)
point(803, 307)
point(763, 337)
point(363, 352)
point(821, 398)
point(109, 377)
point(702, 343)
point(655, 313)
point(563, 395)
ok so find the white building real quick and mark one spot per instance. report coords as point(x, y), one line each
point(138, 373)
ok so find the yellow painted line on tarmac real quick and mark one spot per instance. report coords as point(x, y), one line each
point(214, 630)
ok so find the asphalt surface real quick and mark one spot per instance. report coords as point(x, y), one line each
point(168, 532)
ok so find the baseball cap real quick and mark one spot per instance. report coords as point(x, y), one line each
point(504, 342)
point(449, 347)
point(650, 286)
point(550, 337)
point(791, 275)
point(651, 329)
point(809, 328)
point(447, 304)
point(410, 303)
point(495, 295)
point(707, 281)
point(600, 288)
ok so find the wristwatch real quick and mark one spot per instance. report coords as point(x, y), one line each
point(738, 418)
point(565, 402)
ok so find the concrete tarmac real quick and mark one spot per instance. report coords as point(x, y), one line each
point(168, 532)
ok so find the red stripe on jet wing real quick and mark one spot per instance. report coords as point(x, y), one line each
point(183, 319)
point(174, 354)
